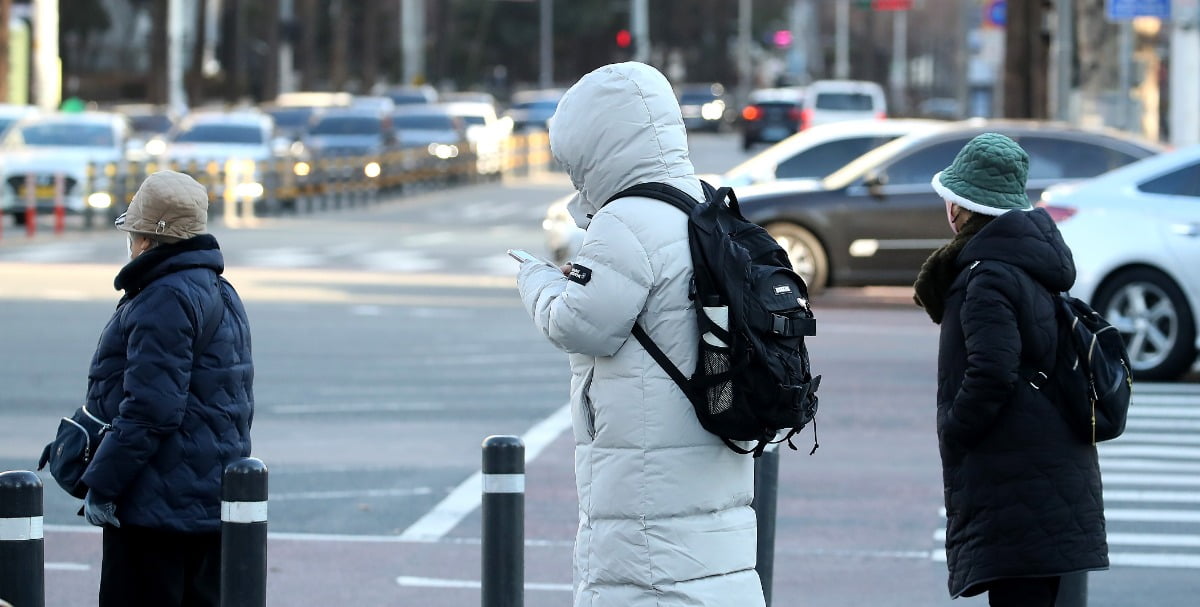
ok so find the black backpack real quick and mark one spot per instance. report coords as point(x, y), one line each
point(753, 380)
point(1091, 381)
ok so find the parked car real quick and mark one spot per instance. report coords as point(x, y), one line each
point(486, 132)
point(704, 106)
point(412, 95)
point(432, 129)
point(771, 116)
point(837, 100)
point(876, 220)
point(240, 135)
point(42, 146)
point(149, 125)
point(809, 156)
point(1135, 235)
point(361, 134)
point(377, 103)
point(10, 114)
point(292, 112)
point(531, 110)
point(819, 151)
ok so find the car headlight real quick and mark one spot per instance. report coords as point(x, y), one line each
point(372, 170)
point(251, 189)
point(713, 110)
point(156, 147)
point(302, 169)
point(99, 200)
point(443, 151)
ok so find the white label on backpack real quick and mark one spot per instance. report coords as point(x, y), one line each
point(783, 290)
point(720, 316)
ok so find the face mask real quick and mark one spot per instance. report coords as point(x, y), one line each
point(950, 216)
point(129, 247)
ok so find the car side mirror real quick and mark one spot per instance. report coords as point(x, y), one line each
point(875, 180)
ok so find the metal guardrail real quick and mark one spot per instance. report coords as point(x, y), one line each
point(242, 190)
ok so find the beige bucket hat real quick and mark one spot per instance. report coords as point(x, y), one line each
point(169, 206)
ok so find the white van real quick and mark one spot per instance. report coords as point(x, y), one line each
point(837, 100)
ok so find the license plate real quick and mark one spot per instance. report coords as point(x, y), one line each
point(775, 133)
point(39, 192)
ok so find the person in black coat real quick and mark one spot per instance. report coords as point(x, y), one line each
point(174, 376)
point(1023, 493)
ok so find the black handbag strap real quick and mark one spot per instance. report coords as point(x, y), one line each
point(210, 323)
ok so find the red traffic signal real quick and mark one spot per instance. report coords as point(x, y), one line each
point(624, 39)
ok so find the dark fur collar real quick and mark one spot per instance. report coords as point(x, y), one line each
point(167, 258)
point(939, 271)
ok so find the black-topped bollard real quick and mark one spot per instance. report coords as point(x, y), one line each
point(22, 549)
point(503, 522)
point(766, 492)
point(244, 534)
point(1072, 590)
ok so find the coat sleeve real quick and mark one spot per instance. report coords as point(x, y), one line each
point(594, 317)
point(161, 332)
point(993, 345)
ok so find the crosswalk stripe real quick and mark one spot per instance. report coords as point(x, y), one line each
point(1147, 515)
point(1171, 480)
point(1155, 465)
point(1140, 388)
point(1159, 438)
point(1159, 410)
point(1175, 497)
point(1145, 423)
point(1137, 559)
point(1151, 451)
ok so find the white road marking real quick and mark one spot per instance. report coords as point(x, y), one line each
point(1146, 515)
point(1174, 497)
point(1145, 464)
point(1160, 424)
point(1172, 480)
point(1154, 539)
point(1158, 438)
point(429, 582)
point(1111, 451)
point(335, 495)
point(1159, 408)
point(1172, 561)
point(369, 407)
point(465, 498)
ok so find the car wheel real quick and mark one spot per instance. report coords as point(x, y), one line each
point(1154, 318)
point(746, 143)
point(805, 252)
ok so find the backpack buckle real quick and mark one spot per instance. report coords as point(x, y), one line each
point(1038, 379)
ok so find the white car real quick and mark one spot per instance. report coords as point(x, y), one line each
point(1135, 236)
point(829, 101)
point(809, 155)
point(242, 141)
point(45, 146)
point(486, 132)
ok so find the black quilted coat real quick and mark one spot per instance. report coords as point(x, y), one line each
point(1023, 494)
point(175, 425)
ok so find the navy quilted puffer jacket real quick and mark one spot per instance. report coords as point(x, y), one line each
point(175, 424)
point(1023, 493)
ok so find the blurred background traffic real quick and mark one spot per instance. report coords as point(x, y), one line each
point(842, 109)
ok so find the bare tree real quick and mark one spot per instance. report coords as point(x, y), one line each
point(1025, 55)
point(339, 53)
point(270, 25)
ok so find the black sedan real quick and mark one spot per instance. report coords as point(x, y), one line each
point(876, 220)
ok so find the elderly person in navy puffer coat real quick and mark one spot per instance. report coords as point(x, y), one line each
point(173, 374)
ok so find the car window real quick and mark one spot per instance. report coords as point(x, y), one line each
point(1052, 158)
point(423, 121)
point(347, 125)
point(821, 160)
point(919, 166)
point(291, 118)
point(220, 133)
point(150, 123)
point(1181, 182)
point(70, 134)
point(473, 120)
point(851, 102)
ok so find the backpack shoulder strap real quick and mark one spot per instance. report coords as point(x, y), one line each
point(665, 193)
point(210, 323)
point(660, 357)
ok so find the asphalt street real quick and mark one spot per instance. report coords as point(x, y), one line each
point(389, 341)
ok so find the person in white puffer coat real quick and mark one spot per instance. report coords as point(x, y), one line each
point(664, 506)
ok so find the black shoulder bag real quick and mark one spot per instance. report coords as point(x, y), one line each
point(79, 436)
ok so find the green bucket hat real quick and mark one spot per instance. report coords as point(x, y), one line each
point(987, 176)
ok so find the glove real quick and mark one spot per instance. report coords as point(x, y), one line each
point(99, 513)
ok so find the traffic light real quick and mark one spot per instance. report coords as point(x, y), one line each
point(624, 39)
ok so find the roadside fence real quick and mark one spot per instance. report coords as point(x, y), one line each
point(242, 190)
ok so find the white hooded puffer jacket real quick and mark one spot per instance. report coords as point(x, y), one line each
point(664, 506)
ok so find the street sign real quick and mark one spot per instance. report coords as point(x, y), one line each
point(891, 5)
point(1124, 10)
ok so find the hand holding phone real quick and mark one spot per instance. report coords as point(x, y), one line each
point(521, 255)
